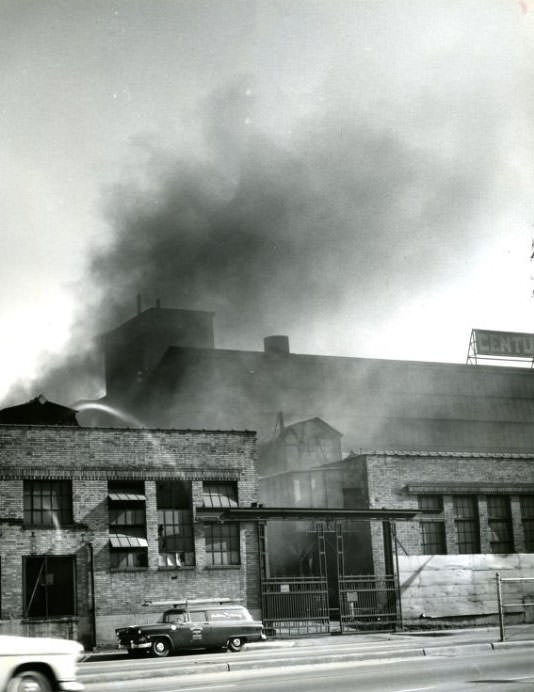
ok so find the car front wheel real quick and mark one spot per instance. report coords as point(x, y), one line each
point(29, 681)
point(161, 647)
point(236, 644)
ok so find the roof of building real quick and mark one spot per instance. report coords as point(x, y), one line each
point(302, 428)
point(38, 411)
point(375, 404)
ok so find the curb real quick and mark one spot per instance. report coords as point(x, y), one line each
point(454, 650)
point(519, 644)
point(235, 666)
point(291, 660)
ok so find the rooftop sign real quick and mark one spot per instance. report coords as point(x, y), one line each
point(507, 345)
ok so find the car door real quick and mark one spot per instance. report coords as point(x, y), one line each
point(224, 624)
point(200, 630)
point(179, 629)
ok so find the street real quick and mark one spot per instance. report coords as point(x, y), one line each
point(497, 671)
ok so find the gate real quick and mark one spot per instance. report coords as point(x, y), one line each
point(329, 600)
point(368, 603)
point(515, 604)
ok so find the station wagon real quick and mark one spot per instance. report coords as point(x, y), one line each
point(205, 624)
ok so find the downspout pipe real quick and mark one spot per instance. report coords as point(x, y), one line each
point(93, 600)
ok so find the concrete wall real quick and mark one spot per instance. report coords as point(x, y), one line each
point(91, 457)
point(462, 588)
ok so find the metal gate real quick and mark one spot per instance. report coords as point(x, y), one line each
point(515, 603)
point(330, 601)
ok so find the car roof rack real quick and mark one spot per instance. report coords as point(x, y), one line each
point(192, 601)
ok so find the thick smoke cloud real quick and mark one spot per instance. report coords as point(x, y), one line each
point(273, 233)
point(268, 233)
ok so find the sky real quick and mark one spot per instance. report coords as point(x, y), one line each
point(356, 174)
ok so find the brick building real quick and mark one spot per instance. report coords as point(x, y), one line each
point(474, 517)
point(94, 521)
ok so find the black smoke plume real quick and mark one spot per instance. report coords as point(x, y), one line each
point(272, 233)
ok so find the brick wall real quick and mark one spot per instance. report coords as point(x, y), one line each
point(450, 586)
point(390, 478)
point(91, 457)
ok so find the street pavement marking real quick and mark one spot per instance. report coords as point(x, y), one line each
point(201, 687)
point(417, 689)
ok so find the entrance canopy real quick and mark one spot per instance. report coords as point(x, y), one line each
point(292, 513)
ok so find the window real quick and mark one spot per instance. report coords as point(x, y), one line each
point(222, 544)
point(217, 494)
point(433, 504)
point(467, 526)
point(227, 614)
point(500, 524)
point(197, 616)
point(47, 503)
point(433, 538)
point(527, 517)
point(175, 524)
point(127, 519)
point(49, 586)
point(127, 525)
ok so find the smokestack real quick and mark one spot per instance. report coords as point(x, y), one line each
point(278, 343)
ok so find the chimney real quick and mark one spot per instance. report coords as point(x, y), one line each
point(276, 344)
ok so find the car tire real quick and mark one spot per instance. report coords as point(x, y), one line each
point(161, 647)
point(236, 643)
point(29, 681)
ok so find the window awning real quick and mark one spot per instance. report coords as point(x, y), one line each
point(126, 497)
point(120, 540)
